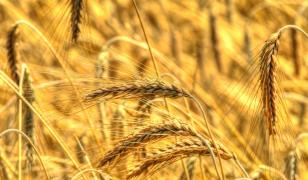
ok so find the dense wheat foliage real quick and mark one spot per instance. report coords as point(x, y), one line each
point(153, 89)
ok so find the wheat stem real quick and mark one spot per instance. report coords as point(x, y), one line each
point(33, 146)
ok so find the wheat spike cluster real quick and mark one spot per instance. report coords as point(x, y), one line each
point(157, 89)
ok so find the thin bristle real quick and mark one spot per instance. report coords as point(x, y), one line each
point(12, 54)
point(76, 8)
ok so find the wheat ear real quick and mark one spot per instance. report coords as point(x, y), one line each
point(28, 119)
point(76, 8)
point(137, 89)
point(268, 85)
point(291, 163)
point(150, 133)
point(11, 53)
point(173, 153)
point(268, 67)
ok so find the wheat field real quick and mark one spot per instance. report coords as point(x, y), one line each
point(153, 89)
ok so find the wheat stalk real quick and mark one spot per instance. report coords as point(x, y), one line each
point(200, 53)
point(214, 40)
point(137, 89)
point(175, 45)
point(150, 133)
point(267, 60)
point(191, 165)
point(247, 44)
point(28, 117)
point(294, 52)
point(172, 153)
point(3, 172)
point(80, 152)
point(101, 72)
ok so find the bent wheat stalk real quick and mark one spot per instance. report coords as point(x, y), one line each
point(150, 133)
point(33, 146)
point(179, 150)
point(268, 81)
point(268, 68)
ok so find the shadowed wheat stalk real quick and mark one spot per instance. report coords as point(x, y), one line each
point(142, 66)
point(3, 172)
point(247, 45)
point(214, 39)
point(229, 12)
